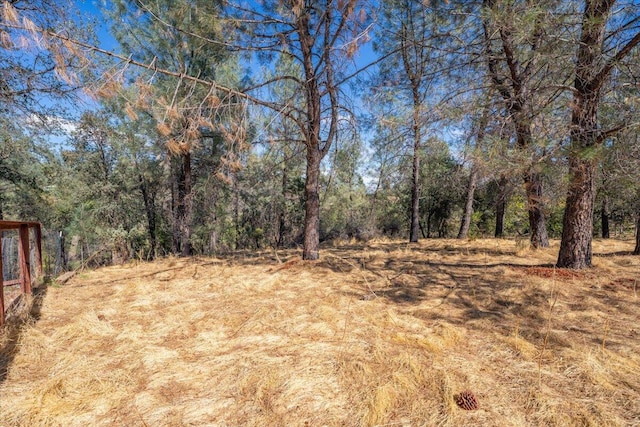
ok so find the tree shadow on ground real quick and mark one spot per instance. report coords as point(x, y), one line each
point(473, 287)
point(505, 247)
point(476, 289)
point(614, 254)
point(15, 325)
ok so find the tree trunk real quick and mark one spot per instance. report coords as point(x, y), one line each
point(501, 206)
point(468, 207)
point(183, 207)
point(312, 129)
point(62, 254)
point(312, 206)
point(236, 211)
point(150, 209)
point(473, 177)
point(283, 208)
point(537, 222)
point(415, 198)
point(415, 183)
point(188, 204)
point(604, 216)
point(532, 186)
point(424, 235)
point(577, 225)
point(175, 207)
point(518, 99)
point(374, 196)
point(636, 251)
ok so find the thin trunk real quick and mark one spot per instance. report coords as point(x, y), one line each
point(186, 234)
point(532, 184)
point(374, 197)
point(236, 211)
point(312, 206)
point(182, 207)
point(175, 207)
point(1, 214)
point(415, 183)
point(282, 215)
point(501, 206)
point(468, 207)
point(636, 251)
point(414, 73)
point(604, 216)
point(473, 177)
point(62, 254)
point(443, 228)
point(533, 187)
point(537, 222)
point(314, 152)
point(188, 205)
point(150, 209)
point(424, 235)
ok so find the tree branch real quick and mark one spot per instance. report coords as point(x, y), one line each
point(599, 78)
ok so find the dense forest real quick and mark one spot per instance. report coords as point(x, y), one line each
point(202, 126)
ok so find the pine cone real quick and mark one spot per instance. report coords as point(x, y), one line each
point(466, 400)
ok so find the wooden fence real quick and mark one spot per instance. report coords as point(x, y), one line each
point(24, 258)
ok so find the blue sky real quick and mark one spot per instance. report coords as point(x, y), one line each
point(92, 9)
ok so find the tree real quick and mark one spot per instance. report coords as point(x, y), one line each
point(33, 83)
point(600, 51)
point(479, 130)
point(344, 202)
point(442, 181)
point(153, 33)
point(321, 37)
point(519, 73)
point(386, 163)
point(406, 39)
point(21, 174)
point(415, 58)
point(284, 158)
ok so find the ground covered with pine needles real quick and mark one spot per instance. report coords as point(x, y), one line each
point(378, 334)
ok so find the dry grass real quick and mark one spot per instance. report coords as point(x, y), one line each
point(384, 334)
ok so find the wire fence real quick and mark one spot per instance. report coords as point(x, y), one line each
point(53, 255)
point(58, 256)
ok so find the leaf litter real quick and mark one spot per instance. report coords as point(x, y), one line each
point(384, 333)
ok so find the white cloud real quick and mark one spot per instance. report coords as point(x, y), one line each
point(52, 124)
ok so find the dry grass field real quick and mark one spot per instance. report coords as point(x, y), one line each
point(382, 334)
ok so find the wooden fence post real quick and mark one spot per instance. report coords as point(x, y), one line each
point(25, 261)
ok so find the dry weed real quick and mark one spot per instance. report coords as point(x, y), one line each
point(380, 334)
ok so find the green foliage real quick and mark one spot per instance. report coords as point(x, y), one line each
point(516, 221)
point(442, 187)
point(23, 176)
